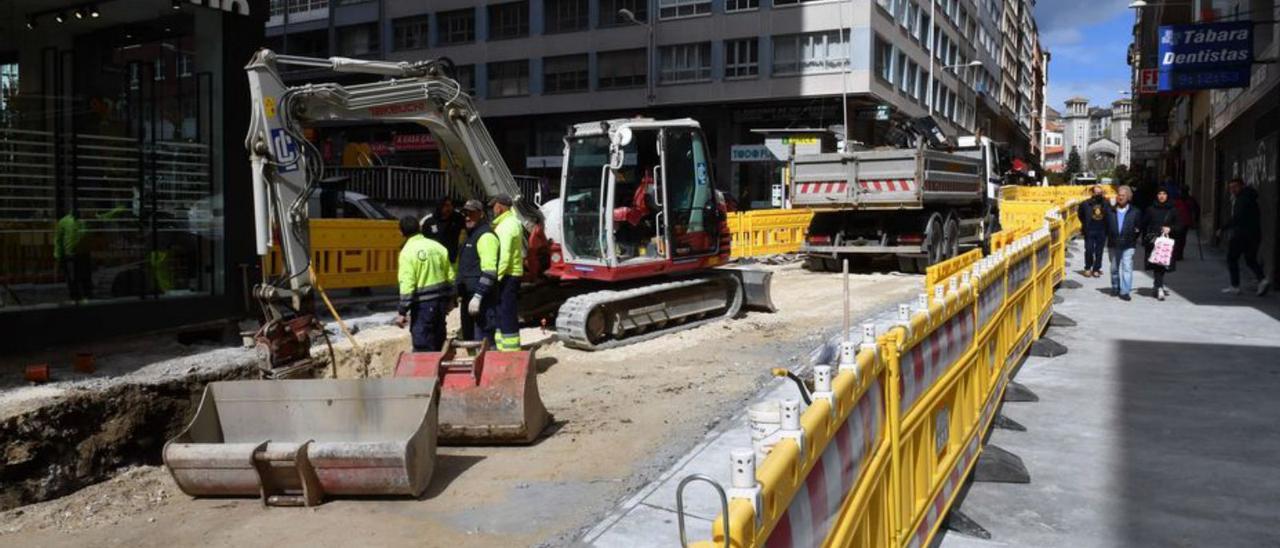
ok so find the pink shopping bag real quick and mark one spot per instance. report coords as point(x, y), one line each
point(1162, 251)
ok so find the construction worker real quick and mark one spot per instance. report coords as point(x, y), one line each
point(478, 275)
point(510, 235)
point(426, 287)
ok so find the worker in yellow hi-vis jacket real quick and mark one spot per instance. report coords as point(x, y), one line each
point(426, 287)
point(510, 235)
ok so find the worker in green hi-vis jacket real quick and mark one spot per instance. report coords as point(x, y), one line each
point(426, 287)
point(510, 233)
point(72, 258)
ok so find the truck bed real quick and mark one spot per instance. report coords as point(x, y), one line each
point(886, 179)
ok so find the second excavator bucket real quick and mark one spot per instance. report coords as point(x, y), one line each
point(295, 441)
point(486, 397)
point(756, 284)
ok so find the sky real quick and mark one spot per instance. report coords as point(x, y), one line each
point(1087, 41)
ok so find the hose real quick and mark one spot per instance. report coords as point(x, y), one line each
point(804, 390)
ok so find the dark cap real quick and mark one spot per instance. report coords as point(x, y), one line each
point(504, 199)
point(473, 205)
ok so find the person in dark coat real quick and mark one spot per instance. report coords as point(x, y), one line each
point(1160, 219)
point(445, 225)
point(1244, 235)
point(1188, 218)
point(1124, 224)
point(1093, 224)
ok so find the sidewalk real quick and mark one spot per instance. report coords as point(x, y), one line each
point(1159, 427)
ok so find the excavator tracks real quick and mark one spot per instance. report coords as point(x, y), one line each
point(609, 319)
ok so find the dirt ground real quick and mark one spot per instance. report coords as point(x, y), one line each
point(621, 416)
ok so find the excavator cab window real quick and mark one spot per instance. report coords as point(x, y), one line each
point(584, 197)
point(635, 200)
point(686, 175)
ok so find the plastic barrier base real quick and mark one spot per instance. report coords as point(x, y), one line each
point(995, 465)
point(959, 522)
point(1018, 392)
point(1005, 423)
point(1070, 284)
point(1057, 299)
point(1061, 320)
point(1047, 348)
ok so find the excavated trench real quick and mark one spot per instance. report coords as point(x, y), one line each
point(83, 434)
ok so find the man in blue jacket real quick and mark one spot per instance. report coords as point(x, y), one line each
point(1093, 223)
point(1123, 222)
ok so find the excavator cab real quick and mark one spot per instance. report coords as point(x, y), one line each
point(638, 192)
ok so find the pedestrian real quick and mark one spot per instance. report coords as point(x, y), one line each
point(478, 275)
point(72, 257)
point(1244, 233)
point(510, 233)
point(1123, 228)
point(445, 225)
point(1093, 223)
point(1188, 217)
point(426, 287)
point(1160, 219)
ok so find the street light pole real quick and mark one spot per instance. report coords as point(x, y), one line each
point(651, 69)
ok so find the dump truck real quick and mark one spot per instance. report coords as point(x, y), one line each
point(919, 204)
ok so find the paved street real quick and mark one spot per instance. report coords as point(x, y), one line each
point(1158, 428)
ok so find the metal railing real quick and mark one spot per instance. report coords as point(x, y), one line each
point(414, 184)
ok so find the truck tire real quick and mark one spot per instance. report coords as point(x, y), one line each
point(934, 236)
point(951, 238)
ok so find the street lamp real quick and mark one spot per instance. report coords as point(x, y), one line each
point(630, 16)
point(973, 63)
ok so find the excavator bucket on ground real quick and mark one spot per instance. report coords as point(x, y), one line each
point(756, 285)
point(486, 397)
point(294, 442)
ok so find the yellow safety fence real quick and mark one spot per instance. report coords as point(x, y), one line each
point(348, 253)
point(894, 430)
point(768, 231)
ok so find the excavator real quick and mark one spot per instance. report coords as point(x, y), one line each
point(635, 246)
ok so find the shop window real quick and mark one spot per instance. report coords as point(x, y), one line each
point(674, 9)
point(609, 9)
point(358, 39)
point(457, 26)
point(565, 73)
point(810, 53)
point(741, 58)
point(622, 69)
point(684, 63)
point(509, 78)
point(410, 32)
point(731, 6)
point(565, 16)
point(510, 20)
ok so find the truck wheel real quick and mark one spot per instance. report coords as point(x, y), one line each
point(935, 246)
point(951, 238)
point(832, 264)
point(814, 264)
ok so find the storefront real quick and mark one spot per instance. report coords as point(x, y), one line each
point(123, 195)
point(1249, 148)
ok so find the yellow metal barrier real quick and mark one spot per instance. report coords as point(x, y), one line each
point(768, 231)
point(935, 380)
point(348, 253)
point(940, 273)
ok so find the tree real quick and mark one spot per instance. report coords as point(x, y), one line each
point(1073, 163)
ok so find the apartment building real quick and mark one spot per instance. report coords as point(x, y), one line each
point(536, 66)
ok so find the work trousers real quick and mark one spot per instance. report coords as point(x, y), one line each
point(78, 272)
point(1093, 244)
point(481, 326)
point(1247, 247)
point(427, 324)
point(1121, 270)
point(508, 314)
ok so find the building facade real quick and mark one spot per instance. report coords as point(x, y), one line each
point(123, 176)
point(1054, 159)
point(537, 66)
point(1100, 136)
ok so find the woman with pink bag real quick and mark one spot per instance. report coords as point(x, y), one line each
point(1159, 223)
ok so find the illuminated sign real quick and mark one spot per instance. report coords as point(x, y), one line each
point(1205, 56)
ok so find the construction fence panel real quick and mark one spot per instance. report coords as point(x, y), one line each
point(942, 272)
point(348, 253)
point(768, 231)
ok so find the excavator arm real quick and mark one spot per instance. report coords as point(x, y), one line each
point(286, 167)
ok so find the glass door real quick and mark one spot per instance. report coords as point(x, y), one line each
point(692, 217)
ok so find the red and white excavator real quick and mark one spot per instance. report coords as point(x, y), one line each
point(635, 247)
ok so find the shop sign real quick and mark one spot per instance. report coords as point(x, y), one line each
point(1150, 81)
point(380, 148)
point(239, 6)
point(750, 153)
point(1205, 56)
point(413, 142)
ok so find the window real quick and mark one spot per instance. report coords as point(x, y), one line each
point(565, 16)
point(622, 69)
point(672, 9)
point(684, 63)
point(466, 77)
point(358, 39)
point(157, 69)
point(810, 53)
point(741, 58)
point(457, 27)
point(740, 5)
point(922, 84)
point(902, 72)
point(609, 11)
point(409, 33)
point(185, 61)
point(509, 78)
point(909, 83)
point(884, 61)
point(923, 24)
point(510, 20)
point(564, 73)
